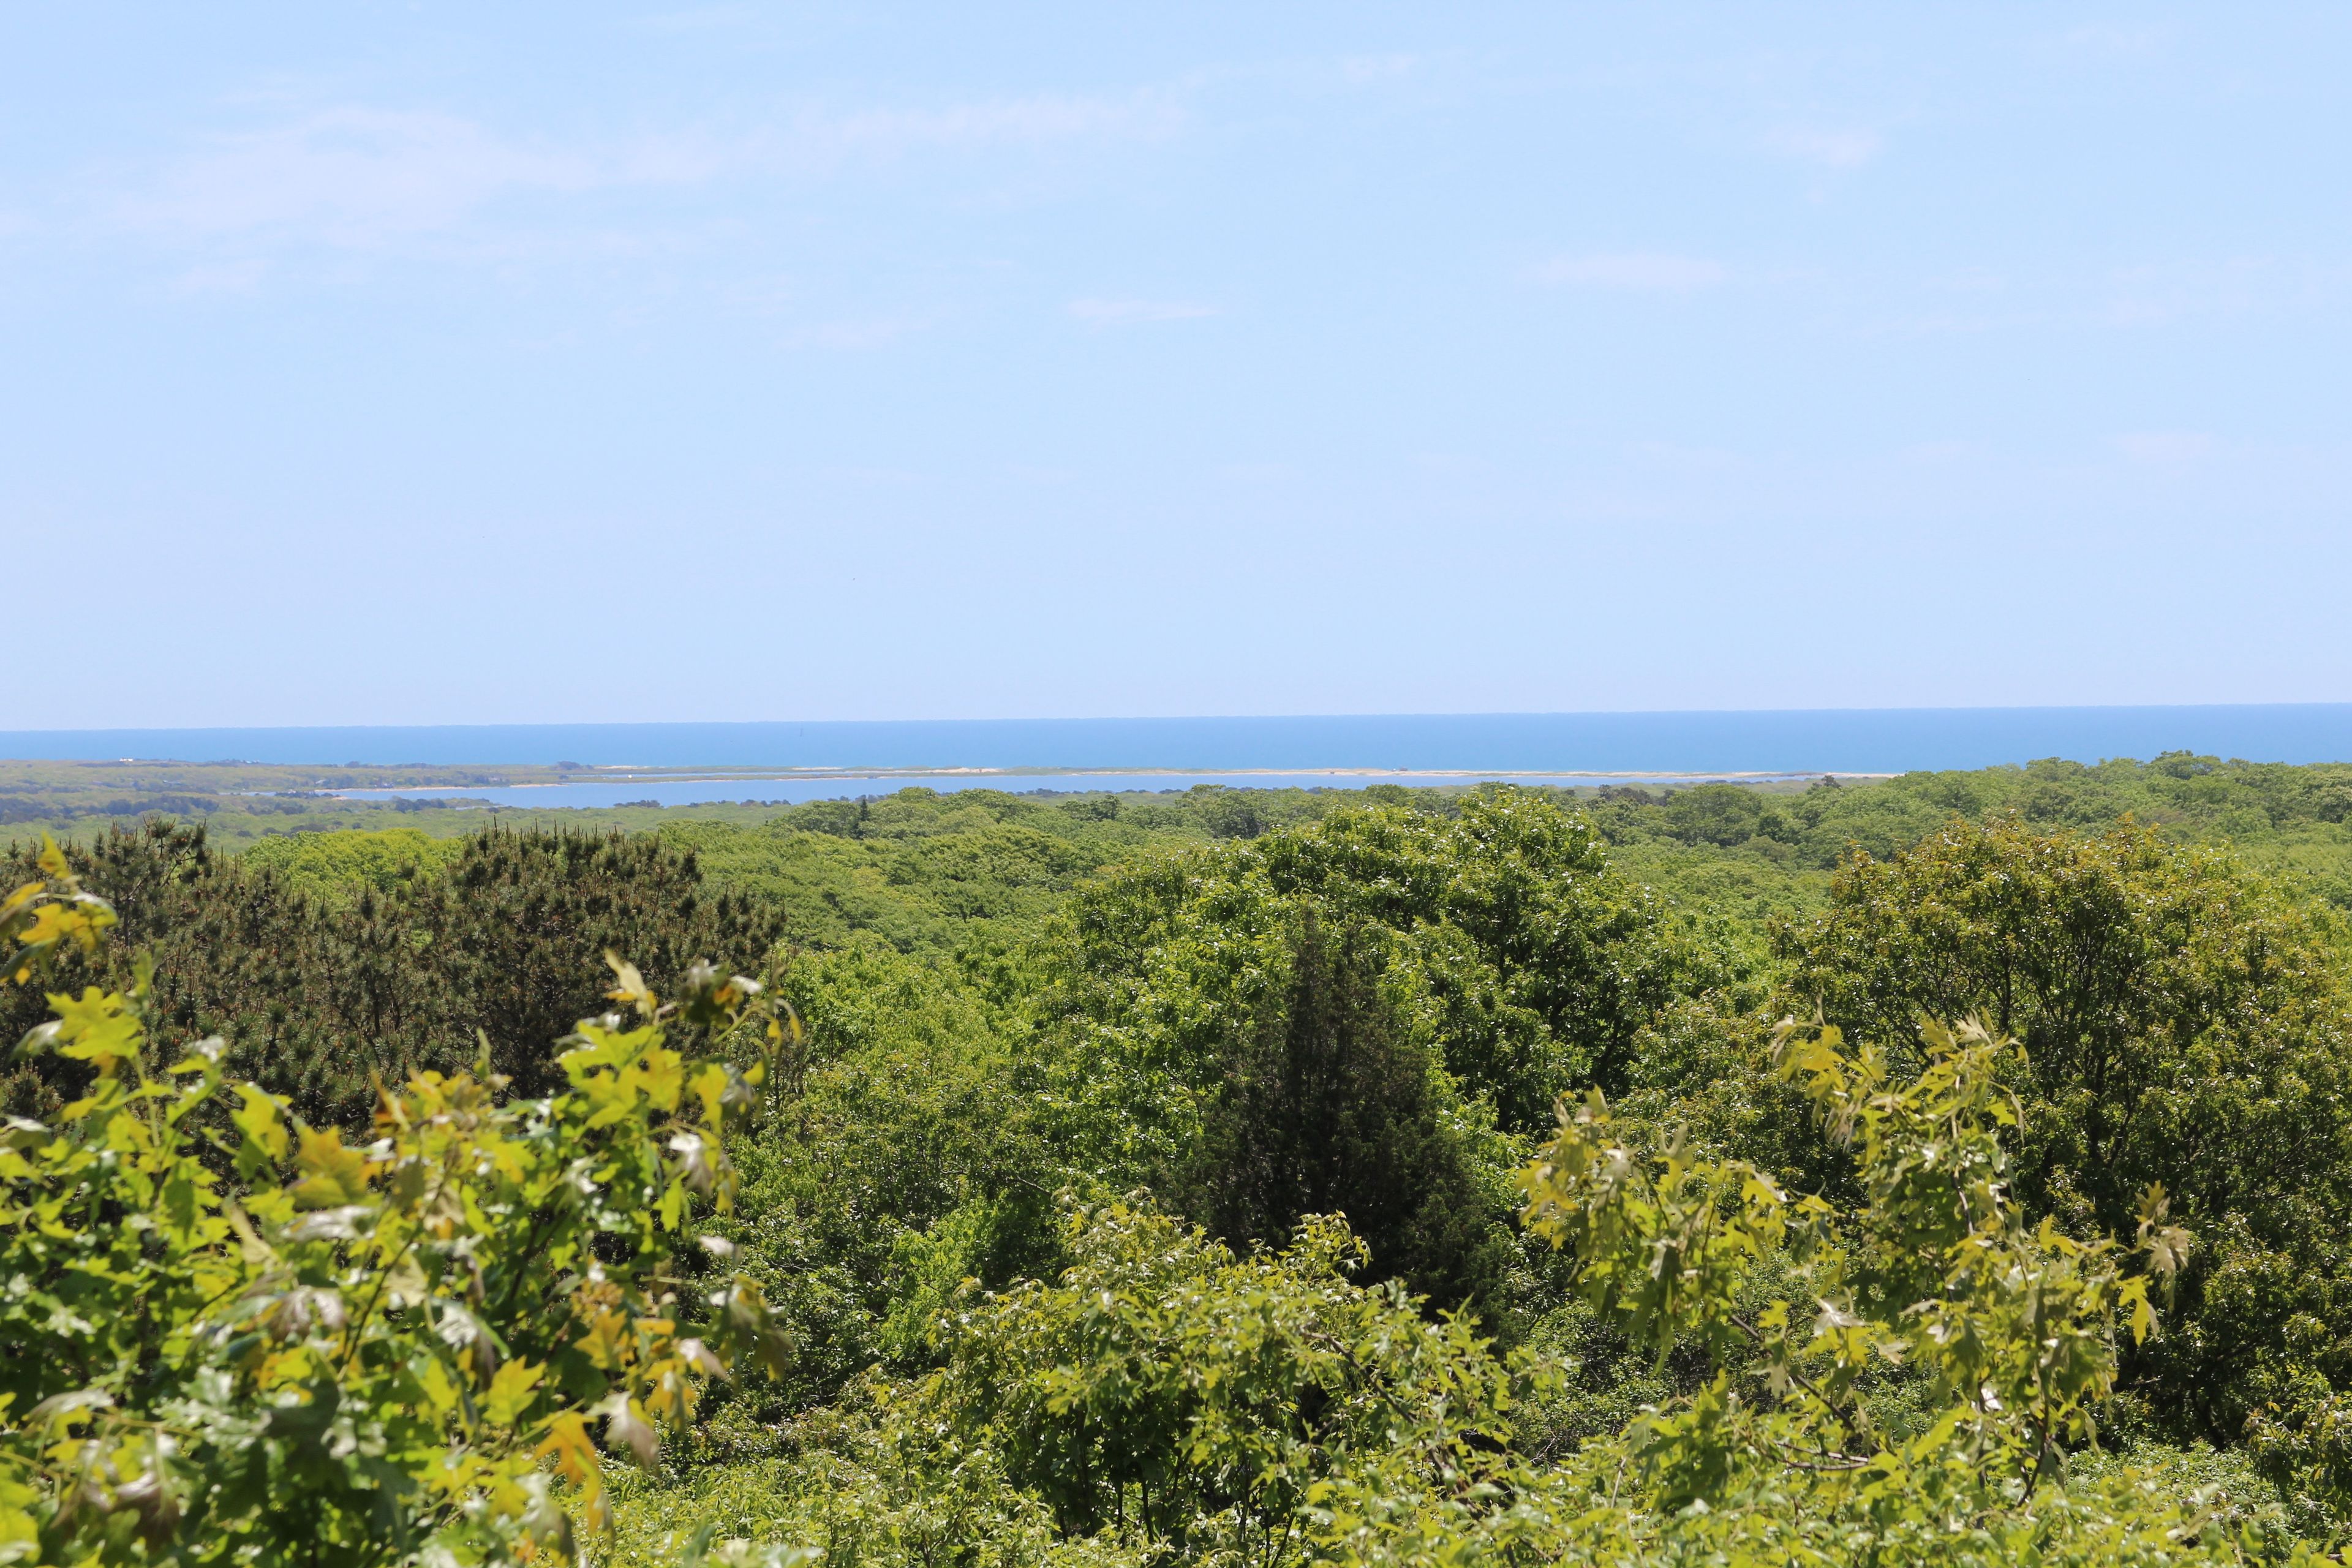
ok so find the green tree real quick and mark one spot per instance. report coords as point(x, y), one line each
point(1194, 1402)
point(2008, 1326)
point(409, 970)
point(1721, 815)
point(1540, 966)
point(2182, 1023)
point(1166, 1400)
point(509, 931)
point(1330, 1106)
point(350, 1354)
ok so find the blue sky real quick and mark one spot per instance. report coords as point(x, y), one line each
point(450, 363)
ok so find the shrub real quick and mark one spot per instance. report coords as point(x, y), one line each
point(2008, 1327)
point(229, 1336)
point(1167, 1393)
point(2182, 1023)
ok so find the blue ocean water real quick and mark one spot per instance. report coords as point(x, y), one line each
point(1861, 740)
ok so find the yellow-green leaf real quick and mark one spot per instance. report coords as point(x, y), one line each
point(332, 1175)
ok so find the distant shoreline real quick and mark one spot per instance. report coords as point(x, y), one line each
point(1858, 743)
point(604, 787)
point(630, 773)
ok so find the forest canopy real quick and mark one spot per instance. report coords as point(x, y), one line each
point(1951, 1168)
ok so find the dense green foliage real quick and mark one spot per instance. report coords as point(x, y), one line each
point(1330, 1106)
point(2183, 1024)
point(2249, 803)
point(318, 990)
point(1534, 966)
point(933, 874)
point(331, 1353)
point(1049, 1199)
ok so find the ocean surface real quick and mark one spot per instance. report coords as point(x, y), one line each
point(1858, 741)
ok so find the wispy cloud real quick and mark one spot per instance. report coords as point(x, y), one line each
point(1937, 452)
point(1125, 312)
point(2114, 41)
point(701, 19)
point(1004, 121)
point(241, 275)
point(1833, 148)
point(1646, 270)
point(857, 336)
point(356, 177)
point(1365, 68)
point(349, 177)
point(2163, 446)
point(2158, 294)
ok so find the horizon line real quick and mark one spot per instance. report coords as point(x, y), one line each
point(7, 734)
point(1754, 740)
